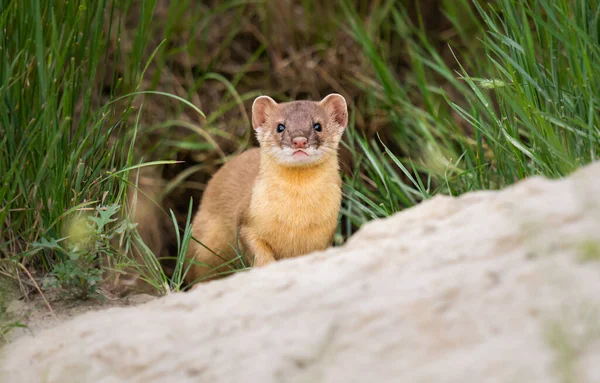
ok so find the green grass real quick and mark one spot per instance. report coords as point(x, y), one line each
point(529, 103)
point(63, 152)
point(92, 91)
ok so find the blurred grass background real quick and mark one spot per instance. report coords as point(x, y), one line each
point(445, 97)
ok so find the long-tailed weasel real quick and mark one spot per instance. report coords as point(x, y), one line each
point(280, 200)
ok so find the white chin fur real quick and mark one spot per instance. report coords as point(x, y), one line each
point(286, 156)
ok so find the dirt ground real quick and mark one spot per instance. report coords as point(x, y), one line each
point(33, 312)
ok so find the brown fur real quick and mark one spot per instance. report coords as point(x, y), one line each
point(276, 205)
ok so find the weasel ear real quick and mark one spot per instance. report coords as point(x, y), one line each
point(261, 108)
point(336, 106)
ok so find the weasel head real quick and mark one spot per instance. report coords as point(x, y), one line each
point(300, 133)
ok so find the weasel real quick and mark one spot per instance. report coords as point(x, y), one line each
point(280, 200)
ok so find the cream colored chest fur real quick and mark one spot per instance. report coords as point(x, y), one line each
point(295, 218)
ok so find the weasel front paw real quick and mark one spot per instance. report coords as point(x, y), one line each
point(260, 261)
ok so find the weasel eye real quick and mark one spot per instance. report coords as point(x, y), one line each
point(280, 128)
point(318, 127)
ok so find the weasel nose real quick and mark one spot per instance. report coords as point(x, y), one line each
point(300, 142)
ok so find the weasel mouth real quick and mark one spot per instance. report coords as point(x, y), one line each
point(300, 154)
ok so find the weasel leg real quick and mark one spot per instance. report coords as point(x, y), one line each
point(257, 249)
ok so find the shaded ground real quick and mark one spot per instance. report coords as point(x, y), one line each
point(34, 314)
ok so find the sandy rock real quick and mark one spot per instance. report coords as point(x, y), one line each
point(488, 287)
